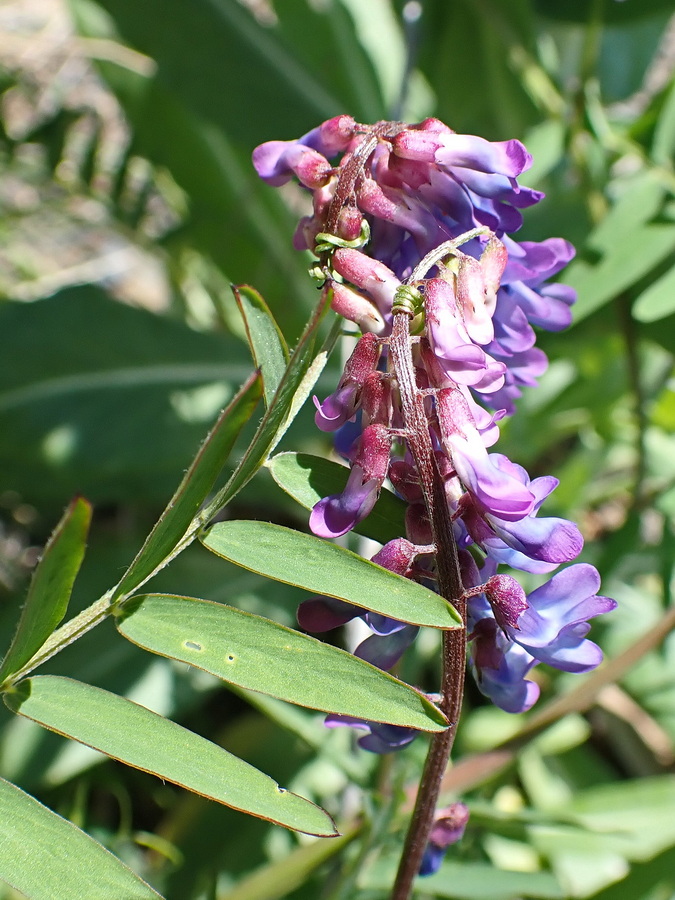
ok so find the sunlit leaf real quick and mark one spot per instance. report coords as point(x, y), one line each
point(301, 374)
point(45, 856)
point(260, 655)
point(325, 568)
point(142, 739)
point(268, 346)
point(50, 587)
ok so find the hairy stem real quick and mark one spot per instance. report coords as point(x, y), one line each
point(450, 587)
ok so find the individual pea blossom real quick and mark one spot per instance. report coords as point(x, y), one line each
point(417, 218)
point(448, 828)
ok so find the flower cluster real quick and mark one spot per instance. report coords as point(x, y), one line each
point(419, 215)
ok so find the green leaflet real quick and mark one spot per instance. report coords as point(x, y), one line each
point(142, 739)
point(260, 655)
point(325, 568)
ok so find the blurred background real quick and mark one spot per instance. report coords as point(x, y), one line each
point(129, 205)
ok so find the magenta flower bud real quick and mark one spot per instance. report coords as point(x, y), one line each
point(507, 599)
point(312, 169)
point(373, 452)
point(376, 400)
point(397, 556)
point(336, 134)
point(336, 515)
point(368, 274)
point(417, 145)
point(350, 222)
point(342, 404)
point(354, 306)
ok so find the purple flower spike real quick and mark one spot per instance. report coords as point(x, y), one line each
point(474, 305)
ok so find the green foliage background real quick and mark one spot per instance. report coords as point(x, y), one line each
point(129, 206)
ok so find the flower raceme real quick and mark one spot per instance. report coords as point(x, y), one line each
point(417, 219)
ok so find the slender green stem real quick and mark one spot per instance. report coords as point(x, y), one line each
point(64, 636)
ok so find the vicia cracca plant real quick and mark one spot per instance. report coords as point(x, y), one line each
point(412, 228)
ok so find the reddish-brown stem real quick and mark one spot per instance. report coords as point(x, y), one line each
point(450, 587)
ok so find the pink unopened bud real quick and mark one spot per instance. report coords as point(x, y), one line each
point(363, 360)
point(417, 145)
point(373, 452)
point(397, 556)
point(357, 308)
point(434, 125)
point(313, 169)
point(337, 133)
point(472, 293)
point(507, 599)
point(350, 222)
point(368, 274)
point(376, 400)
point(493, 262)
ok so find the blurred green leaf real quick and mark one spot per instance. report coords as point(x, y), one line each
point(632, 256)
point(105, 400)
point(663, 146)
point(267, 343)
point(194, 488)
point(308, 478)
point(278, 878)
point(142, 739)
point(617, 11)
point(639, 811)
point(260, 655)
point(325, 568)
point(471, 881)
point(45, 856)
point(640, 203)
point(50, 587)
point(658, 301)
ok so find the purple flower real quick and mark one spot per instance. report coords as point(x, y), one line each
point(336, 515)
point(448, 828)
point(554, 625)
point(500, 667)
point(542, 540)
point(342, 404)
point(379, 737)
